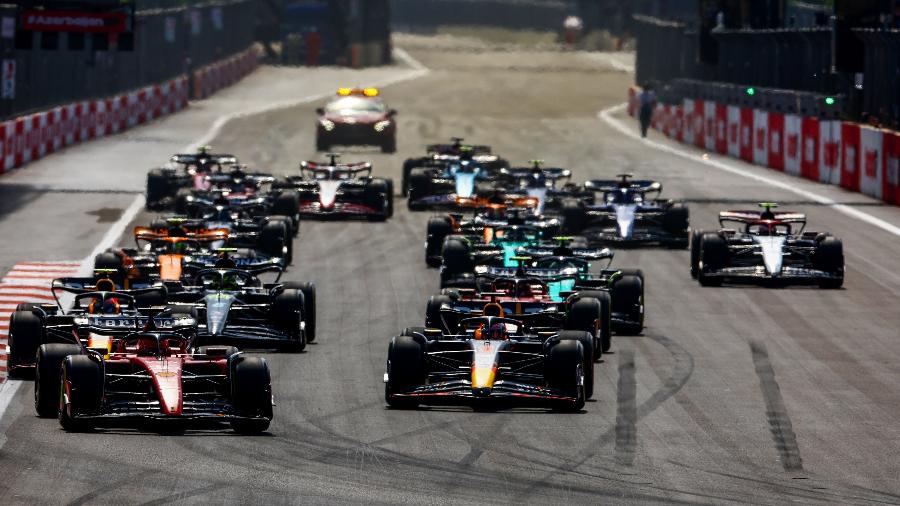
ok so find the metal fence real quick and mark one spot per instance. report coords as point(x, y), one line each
point(798, 59)
point(881, 81)
point(169, 40)
point(795, 59)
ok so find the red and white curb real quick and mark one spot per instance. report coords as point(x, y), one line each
point(27, 282)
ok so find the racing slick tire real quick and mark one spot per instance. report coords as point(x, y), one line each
point(322, 144)
point(419, 187)
point(287, 313)
point(309, 306)
point(563, 364)
point(574, 217)
point(81, 390)
point(26, 331)
point(181, 201)
point(676, 222)
point(587, 366)
point(437, 230)
point(288, 236)
point(287, 204)
point(405, 368)
point(378, 195)
point(28, 306)
point(46, 377)
point(433, 312)
point(389, 195)
point(713, 256)
point(108, 260)
point(272, 239)
point(157, 188)
point(389, 145)
point(251, 394)
point(408, 166)
point(457, 259)
point(696, 235)
point(628, 298)
point(591, 312)
point(829, 257)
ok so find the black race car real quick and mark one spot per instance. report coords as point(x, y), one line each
point(235, 307)
point(628, 213)
point(439, 157)
point(99, 304)
point(184, 171)
point(488, 361)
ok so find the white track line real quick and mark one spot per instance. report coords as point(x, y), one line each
point(707, 159)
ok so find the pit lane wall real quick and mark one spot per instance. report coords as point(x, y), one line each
point(856, 157)
point(33, 136)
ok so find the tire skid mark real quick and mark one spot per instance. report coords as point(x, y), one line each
point(799, 493)
point(776, 412)
point(682, 370)
point(626, 415)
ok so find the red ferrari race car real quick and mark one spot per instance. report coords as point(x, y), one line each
point(150, 374)
point(356, 117)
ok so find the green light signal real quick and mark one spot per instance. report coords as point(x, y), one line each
point(751, 91)
point(830, 101)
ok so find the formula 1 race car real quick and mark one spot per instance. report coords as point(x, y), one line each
point(237, 199)
point(168, 254)
point(549, 186)
point(151, 374)
point(489, 362)
point(356, 117)
point(625, 286)
point(626, 215)
point(440, 155)
point(479, 228)
point(332, 189)
point(771, 247)
point(183, 171)
point(234, 307)
point(98, 304)
point(537, 298)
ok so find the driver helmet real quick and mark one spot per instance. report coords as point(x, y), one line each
point(230, 282)
point(109, 306)
point(225, 262)
point(179, 247)
point(498, 332)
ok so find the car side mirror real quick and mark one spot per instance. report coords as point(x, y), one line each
point(320, 111)
point(392, 112)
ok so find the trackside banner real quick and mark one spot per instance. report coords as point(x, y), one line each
point(859, 158)
point(73, 21)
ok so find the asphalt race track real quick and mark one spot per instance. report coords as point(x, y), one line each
point(732, 395)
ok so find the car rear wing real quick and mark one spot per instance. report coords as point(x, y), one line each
point(755, 216)
point(191, 159)
point(638, 185)
point(203, 235)
point(582, 253)
point(551, 173)
point(447, 149)
point(252, 265)
point(349, 170)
